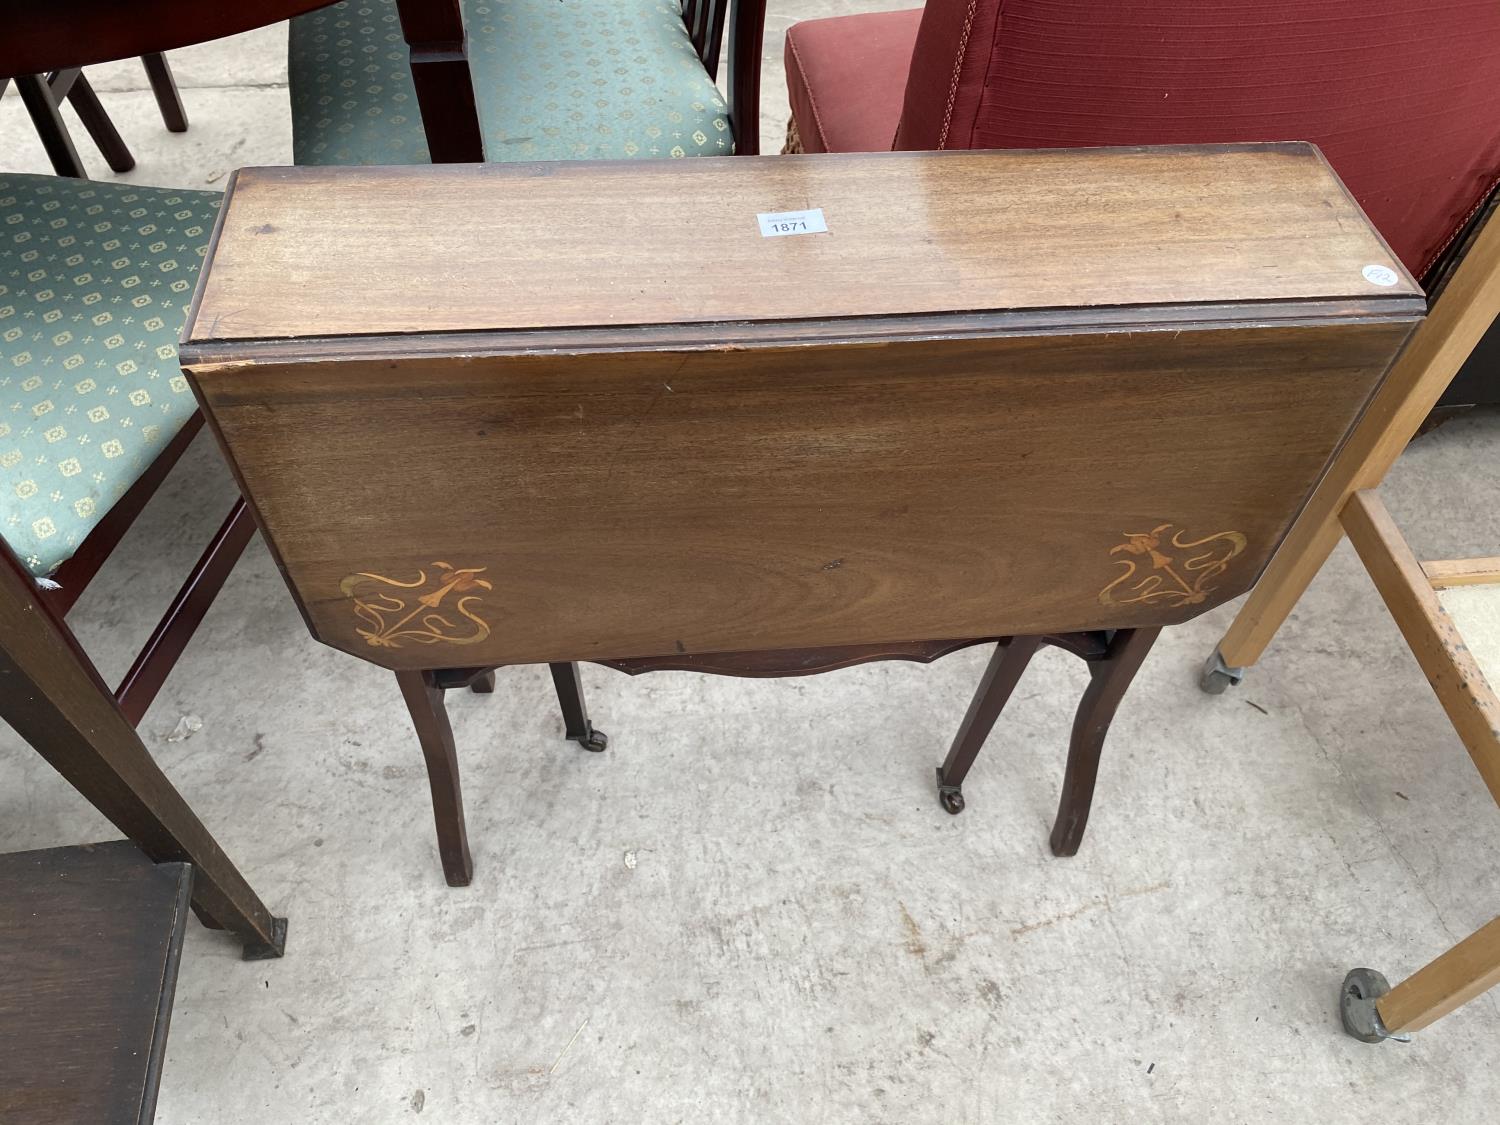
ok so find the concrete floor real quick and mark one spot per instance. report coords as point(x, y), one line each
point(751, 909)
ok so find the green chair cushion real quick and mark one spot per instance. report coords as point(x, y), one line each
point(95, 280)
point(553, 80)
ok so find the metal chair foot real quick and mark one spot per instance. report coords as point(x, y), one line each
point(1217, 677)
point(1361, 1019)
point(951, 797)
point(596, 741)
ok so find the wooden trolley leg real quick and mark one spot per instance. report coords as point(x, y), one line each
point(1110, 676)
point(1372, 1012)
point(53, 697)
point(576, 723)
point(1468, 969)
point(424, 699)
point(1001, 675)
point(1439, 345)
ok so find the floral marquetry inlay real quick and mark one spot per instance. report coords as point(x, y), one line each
point(440, 608)
point(1173, 572)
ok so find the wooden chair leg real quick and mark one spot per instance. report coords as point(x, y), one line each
point(53, 696)
point(106, 137)
point(424, 699)
point(1110, 677)
point(50, 127)
point(159, 74)
point(575, 713)
point(1000, 678)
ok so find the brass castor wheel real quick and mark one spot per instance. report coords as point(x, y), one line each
point(951, 797)
point(596, 742)
point(1217, 677)
point(1361, 1019)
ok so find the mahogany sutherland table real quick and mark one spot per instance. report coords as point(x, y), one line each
point(504, 414)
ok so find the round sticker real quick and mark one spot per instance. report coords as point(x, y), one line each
point(1380, 275)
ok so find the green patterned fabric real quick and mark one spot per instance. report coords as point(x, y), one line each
point(95, 279)
point(553, 79)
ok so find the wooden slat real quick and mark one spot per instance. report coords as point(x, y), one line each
point(570, 244)
point(1435, 641)
point(1453, 979)
point(1443, 573)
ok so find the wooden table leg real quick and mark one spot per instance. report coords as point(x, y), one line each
point(1371, 1011)
point(1110, 676)
point(424, 699)
point(47, 118)
point(576, 725)
point(91, 114)
point(1461, 313)
point(1001, 676)
point(168, 100)
point(54, 698)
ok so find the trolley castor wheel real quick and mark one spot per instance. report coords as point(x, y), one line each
point(1361, 1019)
point(595, 742)
point(1217, 677)
point(951, 797)
point(483, 684)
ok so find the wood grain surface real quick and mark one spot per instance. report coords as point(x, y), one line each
point(524, 414)
point(90, 939)
point(388, 251)
point(637, 503)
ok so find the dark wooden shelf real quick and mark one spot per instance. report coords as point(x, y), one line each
point(90, 940)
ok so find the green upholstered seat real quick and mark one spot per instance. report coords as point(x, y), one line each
point(95, 280)
point(553, 79)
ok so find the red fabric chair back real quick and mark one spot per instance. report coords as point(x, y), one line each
point(1402, 97)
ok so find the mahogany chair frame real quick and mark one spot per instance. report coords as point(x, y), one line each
point(186, 611)
point(434, 31)
point(51, 693)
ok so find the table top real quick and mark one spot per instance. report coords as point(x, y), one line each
point(43, 37)
point(514, 415)
point(90, 939)
point(332, 252)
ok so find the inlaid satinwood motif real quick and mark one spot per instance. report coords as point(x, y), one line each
point(1151, 576)
point(440, 608)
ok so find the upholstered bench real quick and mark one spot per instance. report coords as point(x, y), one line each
point(95, 280)
point(553, 81)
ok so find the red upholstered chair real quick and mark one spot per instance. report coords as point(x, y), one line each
point(1403, 98)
